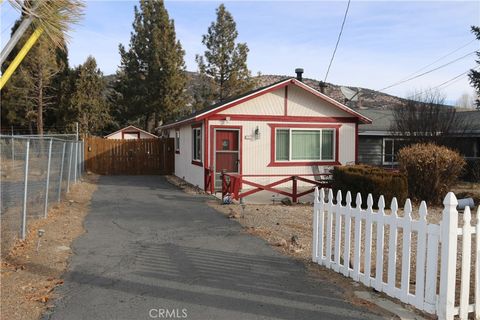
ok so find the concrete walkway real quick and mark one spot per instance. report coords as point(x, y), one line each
point(152, 251)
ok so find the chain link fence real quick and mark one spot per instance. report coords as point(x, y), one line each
point(36, 172)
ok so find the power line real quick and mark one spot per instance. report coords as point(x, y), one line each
point(8, 27)
point(445, 83)
point(453, 80)
point(338, 40)
point(439, 59)
point(427, 72)
point(4, 11)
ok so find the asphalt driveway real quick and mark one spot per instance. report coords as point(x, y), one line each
point(154, 252)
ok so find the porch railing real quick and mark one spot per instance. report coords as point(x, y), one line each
point(232, 184)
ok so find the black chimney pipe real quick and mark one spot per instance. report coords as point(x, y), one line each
point(299, 72)
point(322, 86)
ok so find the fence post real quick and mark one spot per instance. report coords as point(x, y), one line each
point(477, 267)
point(83, 156)
point(338, 231)
point(81, 159)
point(224, 184)
point(82, 167)
point(25, 189)
point(357, 237)
point(294, 189)
point(48, 177)
point(449, 226)
point(13, 150)
point(329, 211)
point(348, 224)
point(316, 204)
point(75, 167)
point(321, 226)
point(61, 173)
point(69, 167)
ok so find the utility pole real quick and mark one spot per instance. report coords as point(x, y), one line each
point(76, 129)
point(15, 38)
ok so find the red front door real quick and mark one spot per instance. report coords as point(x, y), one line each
point(227, 152)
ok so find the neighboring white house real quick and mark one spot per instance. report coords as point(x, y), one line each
point(286, 128)
point(129, 133)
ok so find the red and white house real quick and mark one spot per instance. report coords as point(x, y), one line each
point(130, 133)
point(286, 128)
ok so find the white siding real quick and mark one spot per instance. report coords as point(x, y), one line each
point(128, 135)
point(271, 104)
point(183, 161)
point(145, 136)
point(117, 135)
point(347, 143)
point(303, 103)
point(300, 103)
point(256, 154)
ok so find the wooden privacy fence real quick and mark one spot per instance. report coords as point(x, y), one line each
point(446, 284)
point(129, 157)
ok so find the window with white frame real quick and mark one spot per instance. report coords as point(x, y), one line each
point(390, 150)
point(304, 144)
point(177, 141)
point(197, 144)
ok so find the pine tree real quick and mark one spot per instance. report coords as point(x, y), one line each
point(225, 61)
point(62, 87)
point(151, 78)
point(30, 92)
point(34, 89)
point(88, 102)
point(474, 75)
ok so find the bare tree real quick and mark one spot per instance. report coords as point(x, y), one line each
point(466, 101)
point(425, 118)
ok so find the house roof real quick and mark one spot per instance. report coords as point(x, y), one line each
point(472, 119)
point(382, 120)
point(128, 128)
point(200, 115)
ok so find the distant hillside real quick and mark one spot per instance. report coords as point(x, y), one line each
point(367, 99)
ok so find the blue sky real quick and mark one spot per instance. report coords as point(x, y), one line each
point(383, 41)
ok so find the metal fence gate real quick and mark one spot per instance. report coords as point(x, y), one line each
point(129, 157)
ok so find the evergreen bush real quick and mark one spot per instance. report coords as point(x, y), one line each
point(368, 179)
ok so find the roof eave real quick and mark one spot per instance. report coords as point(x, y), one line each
point(130, 126)
point(201, 116)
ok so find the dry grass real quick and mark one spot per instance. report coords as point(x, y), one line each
point(468, 190)
point(14, 171)
point(28, 277)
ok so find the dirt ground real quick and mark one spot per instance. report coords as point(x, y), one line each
point(289, 229)
point(27, 276)
point(468, 190)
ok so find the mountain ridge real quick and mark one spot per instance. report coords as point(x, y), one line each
point(367, 98)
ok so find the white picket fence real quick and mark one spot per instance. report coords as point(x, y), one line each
point(435, 290)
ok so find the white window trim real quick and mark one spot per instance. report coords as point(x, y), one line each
point(193, 143)
point(290, 145)
point(392, 151)
point(177, 141)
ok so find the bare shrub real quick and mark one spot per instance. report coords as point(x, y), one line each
point(431, 170)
